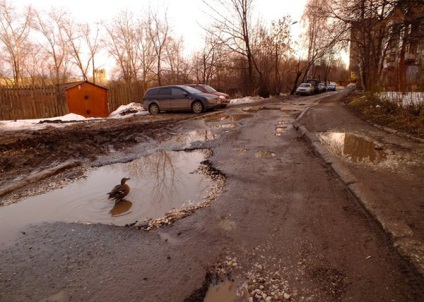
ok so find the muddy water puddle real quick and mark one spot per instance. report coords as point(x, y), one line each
point(222, 292)
point(353, 147)
point(228, 118)
point(196, 136)
point(160, 182)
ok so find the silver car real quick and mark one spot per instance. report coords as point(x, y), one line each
point(178, 98)
point(305, 88)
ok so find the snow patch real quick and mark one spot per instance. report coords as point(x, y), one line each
point(124, 111)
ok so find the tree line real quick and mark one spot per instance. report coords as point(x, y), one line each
point(240, 53)
point(381, 35)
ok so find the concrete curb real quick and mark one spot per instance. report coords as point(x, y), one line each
point(399, 232)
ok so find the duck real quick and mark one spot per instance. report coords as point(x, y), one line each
point(119, 191)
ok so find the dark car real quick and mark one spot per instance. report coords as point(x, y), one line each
point(322, 87)
point(178, 98)
point(225, 98)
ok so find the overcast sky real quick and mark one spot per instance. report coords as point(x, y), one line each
point(183, 15)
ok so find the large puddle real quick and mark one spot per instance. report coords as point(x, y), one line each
point(352, 146)
point(227, 118)
point(160, 182)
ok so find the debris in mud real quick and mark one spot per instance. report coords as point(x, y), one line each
point(257, 282)
point(333, 281)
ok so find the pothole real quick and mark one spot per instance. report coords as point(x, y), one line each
point(231, 280)
point(196, 136)
point(162, 183)
point(227, 126)
point(252, 109)
point(227, 225)
point(230, 118)
point(264, 154)
point(281, 128)
point(353, 147)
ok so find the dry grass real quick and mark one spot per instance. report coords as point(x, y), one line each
point(389, 113)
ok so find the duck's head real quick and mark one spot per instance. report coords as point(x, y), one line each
point(123, 180)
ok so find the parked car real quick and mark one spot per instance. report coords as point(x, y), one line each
point(322, 87)
point(331, 87)
point(225, 98)
point(178, 98)
point(305, 88)
point(351, 86)
point(315, 84)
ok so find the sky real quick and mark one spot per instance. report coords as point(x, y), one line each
point(184, 15)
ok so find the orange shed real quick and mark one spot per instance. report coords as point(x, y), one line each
point(87, 99)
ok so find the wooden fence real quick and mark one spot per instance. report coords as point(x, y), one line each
point(34, 102)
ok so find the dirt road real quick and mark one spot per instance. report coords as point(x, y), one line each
point(285, 227)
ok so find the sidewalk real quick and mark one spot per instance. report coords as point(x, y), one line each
point(383, 170)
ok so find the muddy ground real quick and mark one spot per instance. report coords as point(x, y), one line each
point(24, 152)
point(284, 228)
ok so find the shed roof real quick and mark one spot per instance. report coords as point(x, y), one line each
point(68, 86)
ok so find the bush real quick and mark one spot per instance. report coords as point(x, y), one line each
point(406, 116)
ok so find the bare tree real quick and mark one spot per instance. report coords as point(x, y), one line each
point(232, 19)
point(93, 42)
point(14, 35)
point(84, 43)
point(366, 23)
point(158, 32)
point(56, 44)
point(123, 45)
point(208, 60)
point(272, 47)
point(175, 61)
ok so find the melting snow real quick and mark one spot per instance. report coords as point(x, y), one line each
point(123, 111)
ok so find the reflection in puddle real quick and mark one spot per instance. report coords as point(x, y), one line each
point(121, 208)
point(159, 183)
point(231, 118)
point(196, 136)
point(352, 146)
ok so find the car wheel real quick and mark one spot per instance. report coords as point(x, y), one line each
point(154, 109)
point(197, 107)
